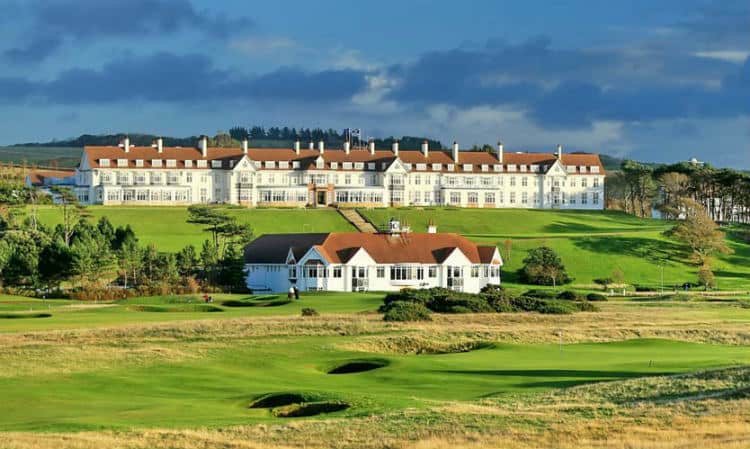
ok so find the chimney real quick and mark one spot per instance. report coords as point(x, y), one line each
point(455, 152)
point(500, 152)
point(245, 144)
point(347, 147)
point(371, 146)
point(559, 151)
point(311, 145)
point(296, 146)
point(158, 144)
point(203, 146)
point(321, 147)
point(394, 147)
point(125, 144)
point(425, 148)
point(431, 228)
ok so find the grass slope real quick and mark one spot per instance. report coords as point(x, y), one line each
point(166, 227)
point(591, 244)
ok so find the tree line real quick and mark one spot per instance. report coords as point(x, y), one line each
point(89, 258)
point(638, 188)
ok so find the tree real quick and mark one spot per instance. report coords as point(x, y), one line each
point(706, 277)
point(233, 275)
point(92, 258)
point(72, 211)
point(187, 261)
point(224, 228)
point(618, 276)
point(130, 259)
point(543, 266)
point(700, 233)
point(55, 262)
point(674, 187)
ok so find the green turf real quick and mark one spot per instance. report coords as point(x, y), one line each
point(217, 389)
point(166, 227)
point(591, 244)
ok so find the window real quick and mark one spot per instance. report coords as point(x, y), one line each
point(380, 272)
point(584, 182)
point(371, 165)
point(156, 162)
point(475, 271)
point(337, 272)
point(334, 165)
point(455, 197)
point(359, 165)
point(596, 182)
point(486, 181)
point(469, 181)
point(437, 167)
point(104, 162)
point(595, 198)
point(347, 179)
point(500, 197)
point(584, 198)
point(188, 164)
point(139, 162)
point(489, 198)
point(204, 195)
point(512, 197)
point(171, 163)
point(432, 271)
point(512, 181)
point(417, 180)
point(202, 164)
point(122, 162)
point(572, 182)
point(497, 167)
point(524, 197)
point(402, 273)
point(473, 198)
point(525, 181)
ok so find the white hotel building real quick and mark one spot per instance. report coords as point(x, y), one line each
point(318, 176)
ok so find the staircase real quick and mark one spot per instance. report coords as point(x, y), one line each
point(356, 219)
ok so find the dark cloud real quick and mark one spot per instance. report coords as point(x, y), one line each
point(88, 20)
point(165, 77)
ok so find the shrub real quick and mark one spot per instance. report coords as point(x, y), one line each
point(644, 288)
point(542, 266)
point(554, 307)
point(595, 297)
point(569, 295)
point(406, 311)
point(585, 306)
point(309, 311)
point(543, 294)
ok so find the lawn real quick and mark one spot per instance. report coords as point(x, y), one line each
point(167, 227)
point(591, 244)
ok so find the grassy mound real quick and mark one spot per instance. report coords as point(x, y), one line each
point(359, 366)
point(272, 400)
point(309, 409)
point(16, 316)
point(257, 301)
point(182, 308)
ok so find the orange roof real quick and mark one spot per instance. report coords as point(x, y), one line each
point(383, 248)
point(37, 177)
point(307, 158)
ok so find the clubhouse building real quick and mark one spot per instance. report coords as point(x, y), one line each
point(360, 262)
point(317, 176)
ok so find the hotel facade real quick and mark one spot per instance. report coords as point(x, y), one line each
point(317, 177)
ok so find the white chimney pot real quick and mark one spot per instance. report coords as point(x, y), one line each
point(321, 146)
point(371, 146)
point(245, 145)
point(455, 152)
point(296, 146)
point(395, 148)
point(347, 147)
point(425, 148)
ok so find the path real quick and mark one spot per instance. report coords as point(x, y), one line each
point(357, 220)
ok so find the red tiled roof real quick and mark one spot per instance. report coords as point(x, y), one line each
point(37, 177)
point(383, 248)
point(307, 158)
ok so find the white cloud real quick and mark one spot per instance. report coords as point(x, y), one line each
point(736, 56)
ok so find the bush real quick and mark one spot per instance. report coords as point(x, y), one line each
point(644, 288)
point(406, 311)
point(585, 306)
point(568, 295)
point(543, 294)
point(542, 266)
point(309, 311)
point(595, 297)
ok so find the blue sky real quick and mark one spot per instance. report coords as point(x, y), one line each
point(653, 80)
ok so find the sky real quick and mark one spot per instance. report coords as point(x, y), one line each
point(658, 81)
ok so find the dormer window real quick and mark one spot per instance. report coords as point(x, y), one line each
point(139, 162)
point(188, 164)
point(334, 165)
point(497, 167)
point(216, 164)
point(202, 164)
point(485, 167)
point(171, 163)
point(468, 167)
point(451, 167)
point(407, 166)
point(359, 165)
point(524, 168)
point(283, 164)
point(320, 163)
point(570, 169)
point(156, 162)
point(122, 162)
point(347, 165)
point(295, 164)
point(270, 164)
point(371, 165)
point(582, 169)
point(421, 167)
point(437, 167)
point(594, 169)
point(104, 162)
point(511, 167)
point(535, 168)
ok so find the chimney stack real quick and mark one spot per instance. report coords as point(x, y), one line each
point(311, 145)
point(296, 146)
point(158, 144)
point(431, 228)
point(203, 146)
point(500, 152)
point(455, 152)
point(347, 147)
point(371, 146)
point(559, 151)
point(321, 147)
point(126, 144)
point(426, 148)
point(394, 147)
point(245, 144)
